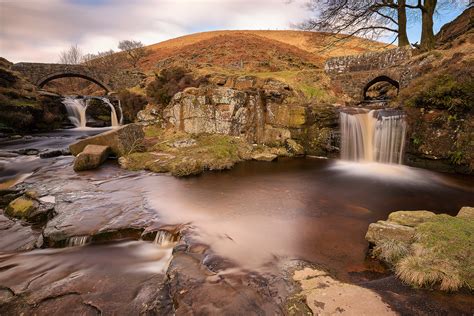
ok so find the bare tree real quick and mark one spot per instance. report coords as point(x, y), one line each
point(71, 56)
point(105, 61)
point(135, 51)
point(367, 18)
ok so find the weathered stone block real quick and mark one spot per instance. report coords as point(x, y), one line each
point(466, 212)
point(384, 230)
point(410, 218)
point(92, 157)
point(121, 141)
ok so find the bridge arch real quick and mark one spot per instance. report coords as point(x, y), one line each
point(377, 79)
point(57, 75)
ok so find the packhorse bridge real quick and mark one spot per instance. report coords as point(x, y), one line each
point(40, 74)
point(355, 74)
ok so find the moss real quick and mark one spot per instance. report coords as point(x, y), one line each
point(21, 207)
point(442, 256)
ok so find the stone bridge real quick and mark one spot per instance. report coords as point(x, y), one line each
point(40, 74)
point(355, 74)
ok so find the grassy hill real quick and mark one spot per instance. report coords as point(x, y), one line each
point(254, 50)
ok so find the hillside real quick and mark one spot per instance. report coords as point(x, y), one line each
point(254, 50)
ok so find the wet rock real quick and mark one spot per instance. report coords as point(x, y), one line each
point(15, 236)
point(410, 218)
point(8, 195)
point(55, 153)
point(122, 140)
point(92, 157)
point(466, 212)
point(28, 152)
point(293, 147)
point(30, 209)
point(384, 230)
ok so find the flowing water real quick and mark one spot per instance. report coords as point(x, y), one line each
point(253, 216)
point(373, 135)
point(77, 107)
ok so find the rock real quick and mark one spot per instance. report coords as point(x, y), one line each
point(16, 237)
point(467, 212)
point(293, 147)
point(28, 152)
point(8, 195)
point(55, 153)
point(183, 143)
point(122, 140)
point(410, 218)
point(92, 157)
point(275, 135)
point(264, 156)
point(30, 209)
point(325, 295)
point(385, 230)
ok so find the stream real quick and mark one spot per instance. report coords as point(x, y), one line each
point(243, 221)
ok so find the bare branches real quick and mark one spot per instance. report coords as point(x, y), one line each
point(135, 51)
point(71, 56)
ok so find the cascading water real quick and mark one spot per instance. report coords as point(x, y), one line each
point(76, 110)
point(373, 136)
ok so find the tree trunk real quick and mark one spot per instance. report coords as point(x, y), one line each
point(402, 24)
point(427, 34)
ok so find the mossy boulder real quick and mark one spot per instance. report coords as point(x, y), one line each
point(439, 254)
point(22, 207)
point(410, 218)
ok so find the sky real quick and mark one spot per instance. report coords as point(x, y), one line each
point(38, 30)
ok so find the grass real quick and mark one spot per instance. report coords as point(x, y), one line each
point(201, 152)
point(441, 256)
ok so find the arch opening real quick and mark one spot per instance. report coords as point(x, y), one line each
point(381, 88)
point(55, 76)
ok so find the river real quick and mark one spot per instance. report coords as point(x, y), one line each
point(243, 221)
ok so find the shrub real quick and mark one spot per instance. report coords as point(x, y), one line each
point(132, 103)
point(169, 82)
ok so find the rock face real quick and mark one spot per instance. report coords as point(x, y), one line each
point(262, 111)
point(121, 141)
point(92, 157)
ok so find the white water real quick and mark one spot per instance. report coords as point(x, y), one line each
point(165, 239)
point(373, 136)
point(76, 109)
point(78, 241)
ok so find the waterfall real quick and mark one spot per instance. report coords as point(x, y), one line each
point(78, 241)
point(373, 136)
point(76, 109)
point(165, 239)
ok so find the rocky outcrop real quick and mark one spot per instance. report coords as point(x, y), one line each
point(262, 111)
point(91, 157)
point(122, 140)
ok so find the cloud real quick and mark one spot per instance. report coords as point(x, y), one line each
point(37, 30)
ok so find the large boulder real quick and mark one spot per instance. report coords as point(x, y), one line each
point(122, 140)
point(385, 230)
point(410, 218)
point(466, 212)
point(92, 157)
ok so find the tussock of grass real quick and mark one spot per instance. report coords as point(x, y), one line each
point(391, 251)
point(441, 256)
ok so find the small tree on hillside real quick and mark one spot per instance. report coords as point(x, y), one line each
point(135, 51)
point(71, 56)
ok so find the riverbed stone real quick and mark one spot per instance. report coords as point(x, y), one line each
point(92, 157)
point(122, 140)
point(16, 236)
point(410, 218)
point(385, 230)
point(264, 156)
point(293, 147)
point(467, 212)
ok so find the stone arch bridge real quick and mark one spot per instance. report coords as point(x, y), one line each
point(40, 74)
point(353, 75)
